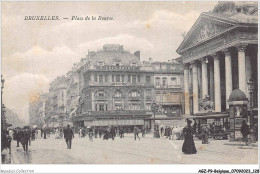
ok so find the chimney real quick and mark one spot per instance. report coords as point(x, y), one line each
point(150, 60)
point(137, 54)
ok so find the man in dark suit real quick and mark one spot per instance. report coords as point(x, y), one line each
point(113, 132)
point(68, 135)
point(25, 139)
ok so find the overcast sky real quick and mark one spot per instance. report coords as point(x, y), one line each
point(36, 52)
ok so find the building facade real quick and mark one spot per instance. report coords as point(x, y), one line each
point(168, 87)
point(117, 89)
point(37, 112)
point(113, 87)
point(219, 54)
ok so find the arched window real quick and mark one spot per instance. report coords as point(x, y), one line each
point(118, 93)
point(100, 94)
point(134, 94)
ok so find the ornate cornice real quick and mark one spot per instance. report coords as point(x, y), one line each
point(241, 47)
point(203, 60)
point(226, 52)
point(215, 56)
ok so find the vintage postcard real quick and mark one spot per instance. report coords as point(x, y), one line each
point(172, 82)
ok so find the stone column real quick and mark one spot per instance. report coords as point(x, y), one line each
point(195, 87)
point(217, 83)
point(248, 73)
point(186, 90)
point(228, 74)
point(204, 73)
point(242, 68)
point(211, 82)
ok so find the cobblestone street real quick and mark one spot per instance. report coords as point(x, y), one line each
point(128, 151)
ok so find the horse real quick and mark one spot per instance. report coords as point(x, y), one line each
point(177, 132)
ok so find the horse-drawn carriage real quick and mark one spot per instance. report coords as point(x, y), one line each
point(216, 126)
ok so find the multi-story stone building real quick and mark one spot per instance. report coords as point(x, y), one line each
point(56, 100)
point(37, 110)
point(118, 90)
point(219, 54)
point(113, 87)
point(168, 86)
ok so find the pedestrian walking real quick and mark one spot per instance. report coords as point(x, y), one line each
point(121, 132)
point(143, 131)
point(136, 132)
point(80, 132)
point(162, 130)
point(18, 137)
point(195, 126)
point(90, 133)
point(45, 133)
point(245, 131)
point(68, 135)
point(25, 139)
point(33, 134)
point(99, 132)
point(113, 132)
point(188, 146)
point(96, 132)
point(204, 134)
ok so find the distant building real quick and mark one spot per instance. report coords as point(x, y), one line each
point(168, 86)
point(37, 110)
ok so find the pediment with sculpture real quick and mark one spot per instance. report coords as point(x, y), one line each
point(204, 29)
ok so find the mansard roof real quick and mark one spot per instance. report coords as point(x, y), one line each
point(110, 57)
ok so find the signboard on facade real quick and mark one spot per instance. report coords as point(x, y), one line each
point(114, 122)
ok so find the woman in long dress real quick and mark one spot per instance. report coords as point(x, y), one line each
point(188, 146)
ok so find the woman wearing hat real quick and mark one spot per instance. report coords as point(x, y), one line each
point(188, 146)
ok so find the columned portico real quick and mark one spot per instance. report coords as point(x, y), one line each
point(186, 90)
point(225, 48)
point(204, 73)
point(228, 74)
point(242, 67)
point(195, 87)
point(217, 93)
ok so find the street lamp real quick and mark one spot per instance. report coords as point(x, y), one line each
point(155, 109)
point(251, 88)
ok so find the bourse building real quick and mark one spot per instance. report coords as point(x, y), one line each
point(219, 54)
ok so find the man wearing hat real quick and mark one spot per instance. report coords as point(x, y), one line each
point(68, 135)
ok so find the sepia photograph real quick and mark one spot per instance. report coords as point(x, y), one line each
point(152, 82)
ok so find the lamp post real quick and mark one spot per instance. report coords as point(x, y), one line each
point(251, 88)
point(155, 109)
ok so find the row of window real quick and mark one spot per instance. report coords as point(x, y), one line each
point(117, 63)
point(132, 105)
point(164, 81)
point(101, 94)
point(121, 78)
